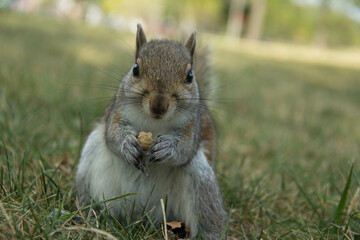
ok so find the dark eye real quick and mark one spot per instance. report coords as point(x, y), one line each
point(189, 77)
point(136, 71)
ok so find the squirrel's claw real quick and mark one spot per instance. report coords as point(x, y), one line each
point(133, 153)
point(142, 168)
point(162, 149)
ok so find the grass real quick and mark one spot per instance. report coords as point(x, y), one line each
point(289, 135)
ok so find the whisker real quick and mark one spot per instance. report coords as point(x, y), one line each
point(99, 86)
point(107, 73)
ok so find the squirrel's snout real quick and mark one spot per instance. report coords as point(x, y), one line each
point(159, 104)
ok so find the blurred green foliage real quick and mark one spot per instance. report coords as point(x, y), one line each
point(286, 21)
point(206, 13)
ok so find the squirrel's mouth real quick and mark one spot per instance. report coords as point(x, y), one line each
point(160, 114)
point(156, 116)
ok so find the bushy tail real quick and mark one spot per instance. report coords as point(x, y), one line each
point(205, 75)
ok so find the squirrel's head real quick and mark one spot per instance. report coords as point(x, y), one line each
point(162, 81)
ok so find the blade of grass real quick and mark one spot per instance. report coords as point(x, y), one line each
point(8, 219)
point(344, 195)
point(77, 228)
point(64, 217)
point(244, 234)
point(224, 233)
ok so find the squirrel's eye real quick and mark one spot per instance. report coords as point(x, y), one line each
point(189, 77)
point(136, 71)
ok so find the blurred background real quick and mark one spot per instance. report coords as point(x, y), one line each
point(287, 108)
point(321, 23)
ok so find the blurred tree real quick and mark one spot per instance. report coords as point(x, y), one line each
point(235, 17)
point(245, 16)
point(204, 14)
point(83, 4)
point(189, 14)
point(321, 35)
point(256, 19)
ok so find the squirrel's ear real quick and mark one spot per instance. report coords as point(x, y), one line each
point(140, 39)
point(191, 44)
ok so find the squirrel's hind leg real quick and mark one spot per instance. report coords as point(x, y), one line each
point(204, 195)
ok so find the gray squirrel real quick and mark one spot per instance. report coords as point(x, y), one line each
point(160, 94)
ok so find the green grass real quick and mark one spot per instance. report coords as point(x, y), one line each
point(288, 135)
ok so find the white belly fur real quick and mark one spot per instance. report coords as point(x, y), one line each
point(109, 176)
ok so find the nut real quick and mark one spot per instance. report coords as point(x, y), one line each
point(145, 140)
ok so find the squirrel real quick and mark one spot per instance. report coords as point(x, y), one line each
point(162, 95)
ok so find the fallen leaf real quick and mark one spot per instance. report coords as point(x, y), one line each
point(177, 230)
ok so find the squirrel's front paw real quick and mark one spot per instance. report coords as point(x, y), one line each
point(164, 148)
point(132, 152)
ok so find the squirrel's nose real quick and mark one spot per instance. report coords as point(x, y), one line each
point(159, 105)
